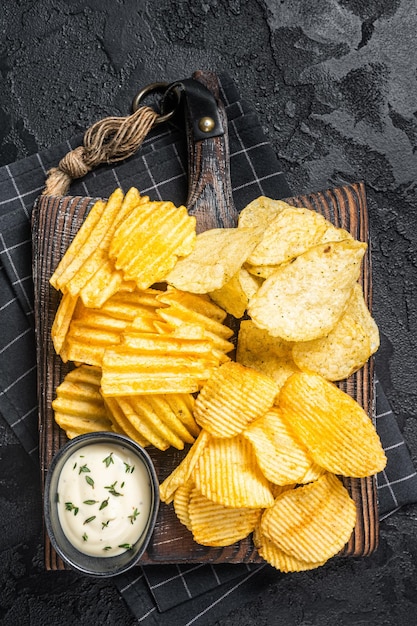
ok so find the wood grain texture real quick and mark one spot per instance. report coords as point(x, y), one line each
point(55, 222)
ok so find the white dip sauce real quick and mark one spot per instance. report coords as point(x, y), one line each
point(104, 499)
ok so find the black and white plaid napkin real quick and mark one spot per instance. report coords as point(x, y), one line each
point(169, 594)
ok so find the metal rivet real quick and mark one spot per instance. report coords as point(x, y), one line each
point(206, 124)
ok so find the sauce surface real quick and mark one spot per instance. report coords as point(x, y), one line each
point(104, 499)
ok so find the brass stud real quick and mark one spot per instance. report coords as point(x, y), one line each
point(206, 124)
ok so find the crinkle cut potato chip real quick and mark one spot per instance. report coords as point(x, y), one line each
point(279, 559)
point(281, 457)
point(312, 522)
point(147, 244)
point(218, 255)
point(227, 472)
point(182, 501)
point(232, 398)
point(78, 406)
point(216, 525)
point(183, 471)
point(336, 430)
point(347, 347)
point(272, 356)
point(304, 299)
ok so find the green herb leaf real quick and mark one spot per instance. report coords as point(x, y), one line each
point(69, 506)
point(90, 501)
point(112, 489)
point(129, 469)
point(107, 548)
point(85, 537)
point(126, 546)
point(90, 481)
point(84, 468)
point(133, 516)
point(104, 504)
point(89, 519)
point(108, 460)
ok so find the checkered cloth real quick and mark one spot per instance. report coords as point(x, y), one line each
point(169, 594)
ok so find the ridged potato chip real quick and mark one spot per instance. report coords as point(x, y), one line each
point(218, 255)
point(147, 244)
point(181, 501)
point(232, 398)
point(227, 472)
point(199, 303)
point(279, 559)
point(78, 406)
point(313, 522)
point(147, 363)
point(216, 525)
point(346, 348)
point(183, 471)
point(122, 424)
point(272, 356)
point(304, 299)
point(336, 430)
point(62, 320)
point(281, 457)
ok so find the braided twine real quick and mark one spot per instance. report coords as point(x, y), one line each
point(107, 141)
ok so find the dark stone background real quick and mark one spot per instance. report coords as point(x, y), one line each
point(334, 84)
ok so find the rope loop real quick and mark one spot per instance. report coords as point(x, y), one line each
point(107, 141)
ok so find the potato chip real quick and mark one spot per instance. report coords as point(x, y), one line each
point(92, 331)
point(227, 472)
point(336, 430)
point(121, 424)
point(305, 299)
point(293, 231)
point(218, 255)
point(313, 522)
point(147, 244)
point(215, 525)
point(156, 421)
point(260, 212)
point(199, 303)
point(78, 406)
point(62, 320)
point(269, 355)
point(281, 457)
point(183, 471)
point(279, 559)
point(234, 296)
point(346, 348)
point(147, 363)
point(182, 498)
point(232, 398)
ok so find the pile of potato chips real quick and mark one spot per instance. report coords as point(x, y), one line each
point(143, 319)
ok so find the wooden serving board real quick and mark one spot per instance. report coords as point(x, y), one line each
point(55, 223)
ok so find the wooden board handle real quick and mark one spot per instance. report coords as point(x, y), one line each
point(209, 187)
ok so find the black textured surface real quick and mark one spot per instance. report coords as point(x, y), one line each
point(334, 84)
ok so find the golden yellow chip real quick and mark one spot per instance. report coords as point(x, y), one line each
point(182, 498)
point(121, 424)
point(227, 472)
point(313, 522)
point(78, 406)
point(218, 255)
point(269, 355)
point(147, 244)
point(216, 525)
point(199, 303)
point(147, 363)
point(234, 296)
point(62, 320)
point(336, 430)
point(182, 473)
point(304, 299)
point(346, 348)
point(260, 212)
point(279, 559)
point(293, 231)
point(232, 398)
point(281, 457)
